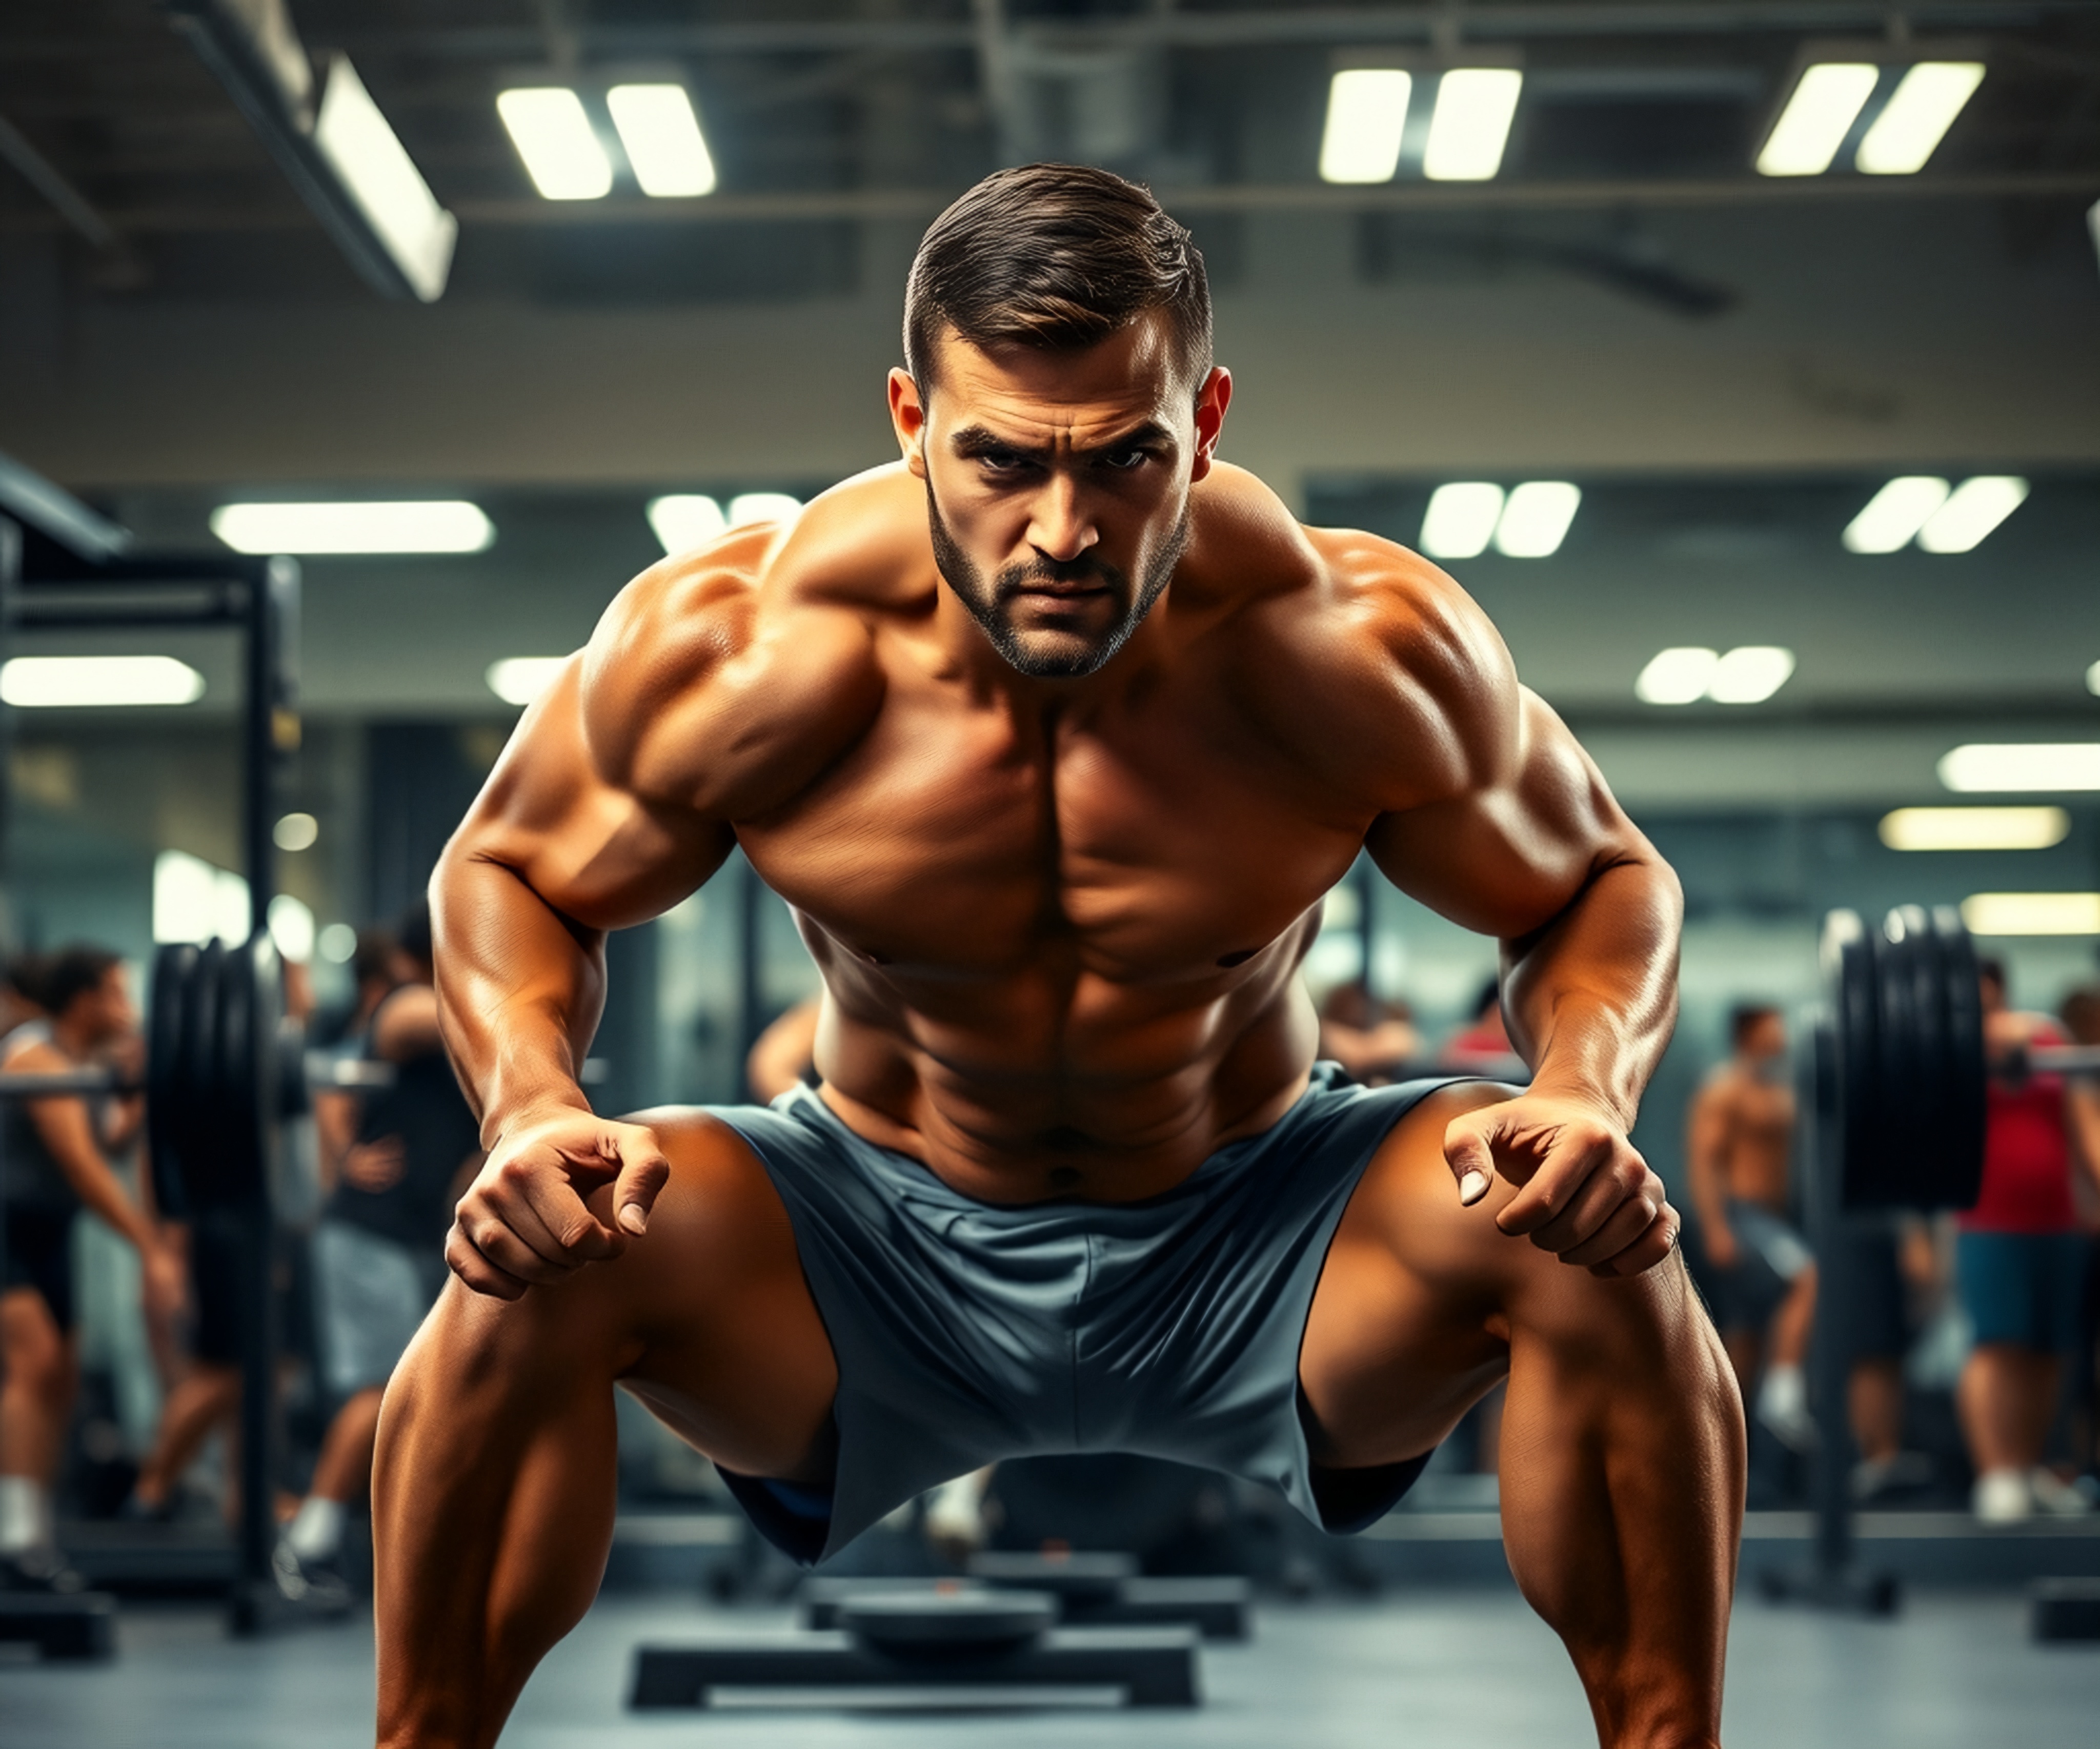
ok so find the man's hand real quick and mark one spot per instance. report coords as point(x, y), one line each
point(525, 1218)
point(375, 1166)
point(163, 1278)
point(1586, 1194)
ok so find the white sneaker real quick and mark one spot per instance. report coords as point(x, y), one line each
point(1783, 1407)
point(2054, 1496)
point(2002, 1496)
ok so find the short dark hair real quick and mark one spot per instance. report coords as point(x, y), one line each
point(1992, 970)
point(373, 959)
point(1058, 256)
point(1743, 1017)
point(25, 977)
point(70, 973)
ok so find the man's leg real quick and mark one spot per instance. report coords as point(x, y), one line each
point(36, 1403)
point(1622, 1439)
point(493, 1487)
point(206, 1396)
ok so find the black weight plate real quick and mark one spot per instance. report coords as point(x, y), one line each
point(1961, 1023)
point(1076, 1576)
point(1854, 1001)
point(1905, 1049)
point(197, 1056)
point(946, 1624)
point(175, 965)
point(245, 1091)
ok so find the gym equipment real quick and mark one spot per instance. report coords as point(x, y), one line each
point(80, 1626)
point(918, 1648)
point(2065, 1609)
point(1092, 1590)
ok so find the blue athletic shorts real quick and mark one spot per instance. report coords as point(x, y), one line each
point(967, 1332)
point(2024, 1289)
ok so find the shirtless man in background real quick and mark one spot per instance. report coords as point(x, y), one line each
point(1741, 1145)
point(1054, 735)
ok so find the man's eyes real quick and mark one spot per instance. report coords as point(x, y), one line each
point(1124, 460)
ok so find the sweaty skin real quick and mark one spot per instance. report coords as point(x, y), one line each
point(1055, 779)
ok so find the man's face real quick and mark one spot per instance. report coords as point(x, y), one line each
point(1057, 485)
point(109, 1011)
point(1764, 1040)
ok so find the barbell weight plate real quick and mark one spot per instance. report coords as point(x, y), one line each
point(1906, 1048)
point(244, 1083)
point(1961, 1020)
point(175, 966)
point(1849, 976)
point(197, 1073)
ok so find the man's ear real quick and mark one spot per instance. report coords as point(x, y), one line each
point(908, 417)
point(1211, 401)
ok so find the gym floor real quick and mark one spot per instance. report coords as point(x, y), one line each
point(1469, 1667)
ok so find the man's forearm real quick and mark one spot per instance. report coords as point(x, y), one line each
point(520, 991)
point(1592, 998)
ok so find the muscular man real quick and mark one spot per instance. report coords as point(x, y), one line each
point(1741, 1138)
point(1054, 736)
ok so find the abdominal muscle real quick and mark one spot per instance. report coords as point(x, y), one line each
point(1010, 1103)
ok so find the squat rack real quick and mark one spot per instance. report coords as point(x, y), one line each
point(65, 567)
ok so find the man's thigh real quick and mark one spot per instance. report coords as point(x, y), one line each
point(1422, 1300)
point(706, 1319)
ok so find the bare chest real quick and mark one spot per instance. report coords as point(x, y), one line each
point(1145, 845)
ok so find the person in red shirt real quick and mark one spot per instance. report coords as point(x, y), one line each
point(2020, 1261)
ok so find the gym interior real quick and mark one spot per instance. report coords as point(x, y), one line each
point(1739, 357)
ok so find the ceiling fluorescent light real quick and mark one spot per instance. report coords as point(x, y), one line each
point(1367, 115)
point(1984, 766)
point(1536, 519)
point(296, 832)
point(1827, 100)
point(2032, 914)
point(384, 182)
point(1677, 675)
point(1975, 507)
point(663, 139)
point(554, 137)
point(763, 506)
point(36, 682)
point(1471, 124)
point(685, 520)
point(1917, 117)
point(292, 927)
point(433, 525)
point(1974, 828)
point(1894, 514)
point(1461, 519)
point(1750, 674)
point(519, 679)
point(2093, 679)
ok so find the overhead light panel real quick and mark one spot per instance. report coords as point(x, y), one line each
point(1684, 674)
point(663, 139)
point(1893, 516)
point(519, 679)
point(1471, 124)
point(2032, 914)
point(292, 927)
point(1366, 115)
point(1972, 510)
point(1677, 675)
point(38, 682)
point(421, 526)
point(1917, 117)
point(1750, 674)
point(296, 832)
point(1826, 100)
point(383, 181)
point(1537, 518)
point(193, 900)
point(685, 520)
point(2093, 679)
point(1461, 519)
point(555, 138)
point(2035, 766)
point(1974, 828)
point(763, 506)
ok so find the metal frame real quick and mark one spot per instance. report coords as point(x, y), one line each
point(93, 583)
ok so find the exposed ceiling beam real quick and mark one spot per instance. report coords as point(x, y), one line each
point(1258, 197)
point(59, 194)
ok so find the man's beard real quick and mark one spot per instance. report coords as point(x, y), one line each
point(991, 608)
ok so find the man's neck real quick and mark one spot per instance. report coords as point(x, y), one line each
point(73, 1038)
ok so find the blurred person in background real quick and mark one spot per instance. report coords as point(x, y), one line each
point(1737, 1156)
point(2080, 1015)
point(1482, 1039)
point(2020, 1263)
point(1373, 1040)
point(53, 1166)
point(785, 1055)
point(379, 1251)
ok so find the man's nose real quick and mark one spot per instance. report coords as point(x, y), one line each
point(1059, 528)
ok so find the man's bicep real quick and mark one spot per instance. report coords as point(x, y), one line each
point(1511, 851)
point(587, 845)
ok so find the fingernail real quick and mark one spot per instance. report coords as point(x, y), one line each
point(1472, 1188)
point(633, 1219)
